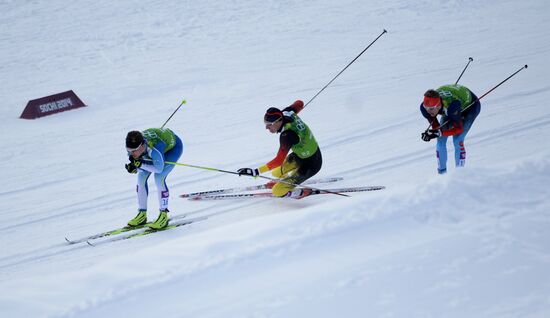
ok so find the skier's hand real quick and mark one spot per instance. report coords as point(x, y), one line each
point(430, 134)
point(248, 172)
point(425, 136)
point(135, 162)
point(130, 167)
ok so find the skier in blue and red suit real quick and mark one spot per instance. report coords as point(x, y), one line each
point(458, 108)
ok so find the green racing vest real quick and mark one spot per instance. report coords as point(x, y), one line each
point(450, 93)
point(154, 135)
point(307, 145)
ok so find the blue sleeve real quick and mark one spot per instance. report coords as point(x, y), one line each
point(454, 112)
point(157, 157)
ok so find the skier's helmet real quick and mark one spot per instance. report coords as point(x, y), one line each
point(134, 139)
point(272, 115)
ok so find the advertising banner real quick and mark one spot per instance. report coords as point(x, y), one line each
point(51, 105)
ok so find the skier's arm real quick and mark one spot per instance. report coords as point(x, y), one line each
point(296, 107)
point(277, 161)
point(156, 165)
point(288, 139)
point(454, 116)
point(458, 128)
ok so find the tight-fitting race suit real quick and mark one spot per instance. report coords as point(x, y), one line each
point(304, 161)
point(457, 121)
point(161, 145)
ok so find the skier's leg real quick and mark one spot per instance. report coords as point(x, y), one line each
point(441, 153)
point(142, 189)
point(460, 149)
point(163, 196)
point(307, 168)
point(160, 178)
point(289, 167)
point(162, 188)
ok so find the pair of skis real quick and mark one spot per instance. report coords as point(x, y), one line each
point(227, 194)
point(252, 188)
point(127, 232)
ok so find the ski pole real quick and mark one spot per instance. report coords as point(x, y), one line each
point(492, 89)
point(199, 167)
point(342, 71)
point(263, 177)
point(469, 60)
point(182, 102)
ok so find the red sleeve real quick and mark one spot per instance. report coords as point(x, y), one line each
point(279, 159)
point(434, 122)
point(287, 139)
point(297, 106)
point(457, 129)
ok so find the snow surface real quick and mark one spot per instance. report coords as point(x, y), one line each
point(472, 243)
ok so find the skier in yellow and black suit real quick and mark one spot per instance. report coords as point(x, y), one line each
point(304, 161)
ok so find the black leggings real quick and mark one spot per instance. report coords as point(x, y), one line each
point(307, 167)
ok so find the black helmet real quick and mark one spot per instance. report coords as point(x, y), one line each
point(272, 114)
point(134, 139)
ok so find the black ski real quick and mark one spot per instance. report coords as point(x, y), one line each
point(255, 187)
point(270, 195)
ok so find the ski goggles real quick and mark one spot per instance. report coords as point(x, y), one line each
point(431, 102)
point(130, 150)
point(269, 124)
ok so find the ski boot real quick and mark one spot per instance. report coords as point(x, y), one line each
point(139, 219)
point(300, 193)
point(161, 222)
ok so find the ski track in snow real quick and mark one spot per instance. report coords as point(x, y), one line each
point(377, 167)
point(472, 224)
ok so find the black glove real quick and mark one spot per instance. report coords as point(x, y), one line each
point(130, 167)
point(135, 162)
point(133, 165)
point(248, 172)
point(430, 134)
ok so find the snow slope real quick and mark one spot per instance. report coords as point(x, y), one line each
point(472, 243)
